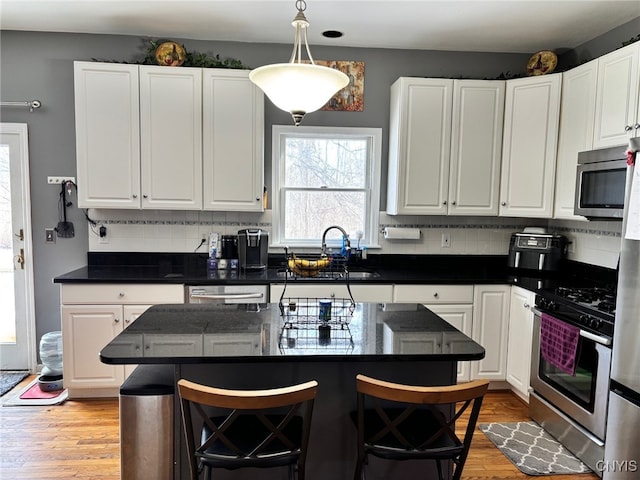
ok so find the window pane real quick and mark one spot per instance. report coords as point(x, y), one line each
point(317, 162)
point(308, 214)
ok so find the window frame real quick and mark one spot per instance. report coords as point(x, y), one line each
point(372, 181)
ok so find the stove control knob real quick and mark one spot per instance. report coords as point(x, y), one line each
point(596, 323)
point(584, 319)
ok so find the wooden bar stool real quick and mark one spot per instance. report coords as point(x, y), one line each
point(247, 428)
point(405, 422)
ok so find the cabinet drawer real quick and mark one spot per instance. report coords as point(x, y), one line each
point(361, 293)
point(433, 294)
point(113, 293)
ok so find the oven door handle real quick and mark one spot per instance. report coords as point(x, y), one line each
point(606, 341)
point(226, 296)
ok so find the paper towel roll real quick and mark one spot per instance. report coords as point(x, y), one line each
point(399, 233)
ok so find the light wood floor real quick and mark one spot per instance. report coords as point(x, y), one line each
point(79, 440)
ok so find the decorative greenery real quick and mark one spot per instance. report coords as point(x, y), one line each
point(192, 59)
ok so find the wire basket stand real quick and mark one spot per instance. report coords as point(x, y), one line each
point(316, 322)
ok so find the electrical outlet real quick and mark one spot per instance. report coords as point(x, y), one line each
point(49, 235)
point(102, 236)
point(572, 246)
point(446, 240)
point(59, 180)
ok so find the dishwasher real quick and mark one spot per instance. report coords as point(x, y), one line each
point(251, 297)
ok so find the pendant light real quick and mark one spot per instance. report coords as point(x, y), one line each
point(296, 87)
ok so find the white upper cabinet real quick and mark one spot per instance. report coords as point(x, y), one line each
point(476, 147)
point(419, 146)
point(444, 146)
point(171, 137)
point(141, 132)
point(233, 139)
point(107, 135)
point(617, 109)
point(532, 113)
point(576, 133)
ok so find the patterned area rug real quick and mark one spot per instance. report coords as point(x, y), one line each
point(532, 449)
point(10, 378)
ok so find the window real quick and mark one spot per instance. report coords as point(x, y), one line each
point(325, 176)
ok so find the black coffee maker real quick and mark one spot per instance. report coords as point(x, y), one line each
point(253, 245)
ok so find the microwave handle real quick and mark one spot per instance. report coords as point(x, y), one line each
point(517, 260)
point(541, 261)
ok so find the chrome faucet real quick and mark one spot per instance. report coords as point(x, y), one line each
point(347, 242)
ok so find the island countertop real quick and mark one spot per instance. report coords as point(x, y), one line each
point(218, 333)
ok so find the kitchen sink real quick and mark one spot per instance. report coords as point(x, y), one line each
point(355, 275)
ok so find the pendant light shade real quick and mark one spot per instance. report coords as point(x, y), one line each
point(296, 87)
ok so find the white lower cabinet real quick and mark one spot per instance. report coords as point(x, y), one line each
point(461, 317)
point(92, 315)
point(520, 340)
point(490, 329)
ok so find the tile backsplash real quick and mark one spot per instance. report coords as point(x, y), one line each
point(596, 242)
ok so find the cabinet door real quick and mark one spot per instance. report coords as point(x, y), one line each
point(233, 137)
point(520, 340)
point(490, 329)
point(86, 329)
point(476, 147)
point(171, 137)
point(461, 317)
point(107, 135)
point(410, 342)
point(576, 133)
point(130, 313)
point(532, 110)
point(617, 97)
point(419, 146)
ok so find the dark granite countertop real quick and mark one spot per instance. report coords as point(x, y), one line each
point(215, 333)
point(191, 269)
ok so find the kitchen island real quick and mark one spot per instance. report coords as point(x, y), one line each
point(232, 347)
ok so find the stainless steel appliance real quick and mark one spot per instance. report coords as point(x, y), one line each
point(573, 408)
point(253, 245)
point(251, 295)
point(600, 182)
point(537, 251)
point(622, 449)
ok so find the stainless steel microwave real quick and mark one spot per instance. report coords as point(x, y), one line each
point(600, 183)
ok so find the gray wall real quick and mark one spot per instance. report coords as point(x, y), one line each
point(39, 66)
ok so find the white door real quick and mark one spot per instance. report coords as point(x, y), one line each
point(17, 322)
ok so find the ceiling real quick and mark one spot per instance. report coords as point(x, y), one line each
point(516, 26)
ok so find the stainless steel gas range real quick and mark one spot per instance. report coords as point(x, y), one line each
point(572, 405)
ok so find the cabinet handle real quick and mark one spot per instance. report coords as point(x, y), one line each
point(504, 204)
point(116, 320)
point(628, 128)
point(453, 202)
point(435, 294)
point(121, 294)
point(526, 305)
point(444, 202)
point(257, 199)
point(636, 126)
point(145, 196)
point(135, 195)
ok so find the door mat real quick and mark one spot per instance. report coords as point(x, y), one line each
point(11, 378)
point(32, 395)
point(531, 449)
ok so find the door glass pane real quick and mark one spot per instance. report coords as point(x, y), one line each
point(7, 319)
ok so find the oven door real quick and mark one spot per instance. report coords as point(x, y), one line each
point(583, 396)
